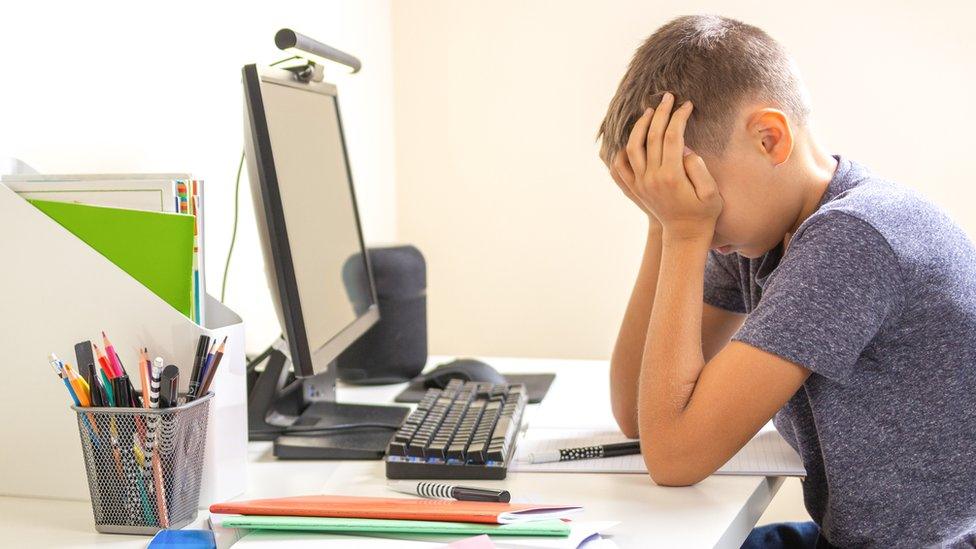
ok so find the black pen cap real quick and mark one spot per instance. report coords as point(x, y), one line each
point(169, 387)
point(120, 386)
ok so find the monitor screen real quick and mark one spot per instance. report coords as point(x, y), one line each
point(312, 237)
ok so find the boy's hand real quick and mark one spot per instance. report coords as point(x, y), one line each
point(670, 181)
point(623, 176)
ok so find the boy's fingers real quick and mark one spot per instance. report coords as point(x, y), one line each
point(635, 145)
point(674, 136)
point(701, 179)
point(621, 169)
point(655, 133)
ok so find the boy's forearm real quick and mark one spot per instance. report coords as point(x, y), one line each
point(625, 363)
point(672, 358)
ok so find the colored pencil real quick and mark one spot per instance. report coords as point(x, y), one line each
point(113, 357)
point(212, 370)
point(84, 398)
point(104, 363)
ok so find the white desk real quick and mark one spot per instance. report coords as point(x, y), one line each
point(718, 512)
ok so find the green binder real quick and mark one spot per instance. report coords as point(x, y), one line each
point(551, 528)
point(154, 248)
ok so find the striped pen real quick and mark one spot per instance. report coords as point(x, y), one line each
point(152, 455)
point(587, 452)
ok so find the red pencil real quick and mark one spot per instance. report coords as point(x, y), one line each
point(103, 362)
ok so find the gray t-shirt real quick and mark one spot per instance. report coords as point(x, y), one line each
point(876, 296)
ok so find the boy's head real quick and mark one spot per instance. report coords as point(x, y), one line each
point(750, 107)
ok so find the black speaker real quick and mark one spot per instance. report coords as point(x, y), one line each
point(395, 348)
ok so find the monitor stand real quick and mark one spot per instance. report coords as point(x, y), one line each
point(277, 402)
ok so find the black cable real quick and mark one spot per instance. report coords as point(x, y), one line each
point(237, 194)
point(313, 430)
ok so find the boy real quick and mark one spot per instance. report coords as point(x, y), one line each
point(780, 280)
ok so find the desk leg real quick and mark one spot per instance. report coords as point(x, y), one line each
point(745, 521)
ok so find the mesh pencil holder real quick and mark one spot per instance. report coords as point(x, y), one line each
point(144, 465)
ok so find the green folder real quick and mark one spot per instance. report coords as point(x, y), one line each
point(154, 248)
point(551, 528)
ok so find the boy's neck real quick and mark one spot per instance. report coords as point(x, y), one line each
point(813, 169)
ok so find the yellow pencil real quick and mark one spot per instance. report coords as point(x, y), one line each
point(79, 385)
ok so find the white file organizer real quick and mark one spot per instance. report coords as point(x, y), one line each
point(56, 291)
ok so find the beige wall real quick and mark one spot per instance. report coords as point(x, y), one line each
point(531, 249)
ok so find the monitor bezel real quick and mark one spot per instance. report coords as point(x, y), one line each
point(277, 249)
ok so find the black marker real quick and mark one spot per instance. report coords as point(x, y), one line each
point(120, 386)
point(169, 387)
point(202, 344)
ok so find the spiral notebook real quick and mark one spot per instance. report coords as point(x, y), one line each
point(767, 454)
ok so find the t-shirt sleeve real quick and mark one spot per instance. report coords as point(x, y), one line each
point(828, 297)
point(722, 288)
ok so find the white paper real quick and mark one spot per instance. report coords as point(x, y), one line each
point(767, 454)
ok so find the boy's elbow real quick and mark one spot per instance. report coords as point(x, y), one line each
point(626, 421)
point(672, 469)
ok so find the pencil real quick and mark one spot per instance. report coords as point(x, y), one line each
point(144, 377)
point(76, 392)
point(84, 398)
point(113, 357)
point(213, 367)
point(103, 362)
point(106, 374)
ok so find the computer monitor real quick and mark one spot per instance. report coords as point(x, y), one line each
point(307, 216)
point(310, 231)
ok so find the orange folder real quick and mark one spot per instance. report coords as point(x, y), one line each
point(395, 508)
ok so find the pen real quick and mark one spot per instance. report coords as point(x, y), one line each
point(207, 362)
point(74, 389)
point(198, 359)
point(56, 364)
point(122, 395)
point(437, 490)
point(157, 468)
point(169, 387)
point(587, 452)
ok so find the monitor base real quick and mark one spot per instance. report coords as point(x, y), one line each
point(275, 399)
point(354, 443)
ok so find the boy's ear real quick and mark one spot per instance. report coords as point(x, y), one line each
point(770, 130)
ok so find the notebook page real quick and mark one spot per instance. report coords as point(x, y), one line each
point(767, 454)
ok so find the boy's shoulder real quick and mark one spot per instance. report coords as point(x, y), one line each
point(857, 200)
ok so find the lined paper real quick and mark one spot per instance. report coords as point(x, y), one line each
point(767, 454)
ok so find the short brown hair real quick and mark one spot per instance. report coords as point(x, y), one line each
point(717, 63)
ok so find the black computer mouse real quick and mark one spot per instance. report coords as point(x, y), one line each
point(465, 369)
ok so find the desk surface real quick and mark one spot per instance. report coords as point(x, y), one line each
point(718, 512)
